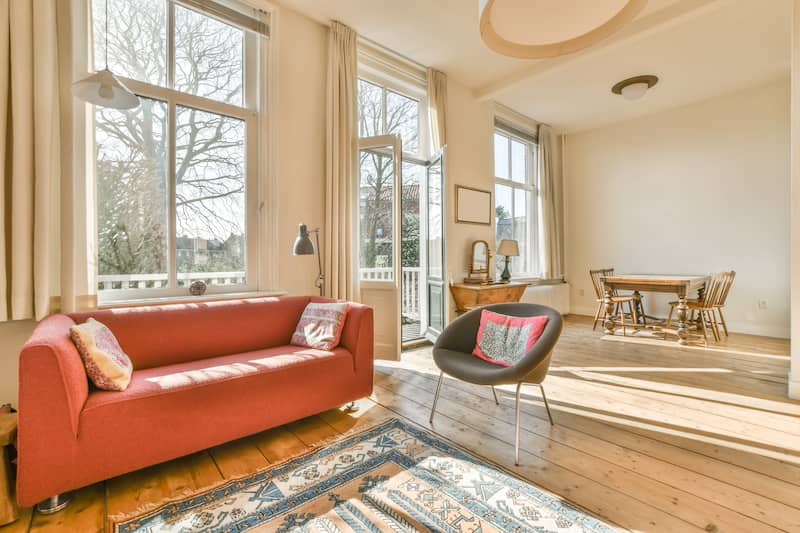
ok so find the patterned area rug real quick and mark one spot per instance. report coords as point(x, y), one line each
point(392, 477)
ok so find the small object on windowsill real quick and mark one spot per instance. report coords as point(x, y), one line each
point(198, 288)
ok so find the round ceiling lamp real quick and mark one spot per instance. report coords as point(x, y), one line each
point(634, 88)
point(535, 29)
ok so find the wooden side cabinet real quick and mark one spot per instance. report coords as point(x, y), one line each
point(469, 296)
point(8, 436)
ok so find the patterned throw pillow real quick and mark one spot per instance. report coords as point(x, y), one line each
point(320, 326)
point(106, 364)
point(504, 340)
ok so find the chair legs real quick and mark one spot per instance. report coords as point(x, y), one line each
point(722, 320)
point(495, 396)
point(436, 397)
point(546, 405)
point(598, 314)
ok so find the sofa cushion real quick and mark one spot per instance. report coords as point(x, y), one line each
point(161, 335)
point(106, 364)
point(180, 409)
point(321, 325)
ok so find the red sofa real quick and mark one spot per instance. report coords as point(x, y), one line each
point(204, 374)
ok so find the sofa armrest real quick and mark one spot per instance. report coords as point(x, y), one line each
point(53, 386)
point(357, 336)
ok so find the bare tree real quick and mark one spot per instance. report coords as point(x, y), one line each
point(132, 153)
point(381, 112)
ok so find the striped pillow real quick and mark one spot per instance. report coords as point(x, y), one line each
point(320, 326)
point(106, 364)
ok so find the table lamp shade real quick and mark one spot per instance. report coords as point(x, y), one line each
point(508, 248)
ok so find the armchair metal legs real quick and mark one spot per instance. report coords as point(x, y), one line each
point(436, 397)
point(517, 408)
point(516, 426)
point(546, 405)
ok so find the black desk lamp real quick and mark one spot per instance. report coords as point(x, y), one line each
point(304, 246)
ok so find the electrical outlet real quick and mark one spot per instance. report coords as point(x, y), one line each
point(762, 304)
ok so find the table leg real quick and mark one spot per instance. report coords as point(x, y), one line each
point(683, 325)
point(609, 322)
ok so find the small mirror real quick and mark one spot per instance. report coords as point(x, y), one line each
point(479, 263)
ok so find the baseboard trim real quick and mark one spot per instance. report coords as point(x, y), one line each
point(794, 388)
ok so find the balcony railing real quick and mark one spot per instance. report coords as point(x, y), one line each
point(410, 289)
point(157, 281)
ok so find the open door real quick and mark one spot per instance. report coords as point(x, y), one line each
point(380, 163)
point(435, 274)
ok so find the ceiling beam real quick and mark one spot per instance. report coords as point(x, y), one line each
point(676, 13)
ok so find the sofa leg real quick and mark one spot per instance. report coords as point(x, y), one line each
point(351, 407)
point(54, 504)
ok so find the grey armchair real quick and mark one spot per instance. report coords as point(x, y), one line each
point(453, 355)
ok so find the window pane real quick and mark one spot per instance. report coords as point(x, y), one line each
point(435, 222)
point(520, 264)
point(370, 109)
point(500, 156)
point(503, 209)
point(210, 197)
point(137, 33)
point(209, 57)
point(402, 116)
point(132, 193)
point(518, 162)
point(376, 193)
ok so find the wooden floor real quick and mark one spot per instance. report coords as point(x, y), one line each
point(652, 438)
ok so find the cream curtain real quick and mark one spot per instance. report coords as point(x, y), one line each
point(552, 190)
point(437, 108)
point(29, 151)
point(341, 200)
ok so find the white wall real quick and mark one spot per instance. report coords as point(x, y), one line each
point(698, 189)
point(470, 127)
point(794, 374)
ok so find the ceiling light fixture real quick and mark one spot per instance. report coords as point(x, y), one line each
point(535, 29)
point(634, 88)
point(103, 88)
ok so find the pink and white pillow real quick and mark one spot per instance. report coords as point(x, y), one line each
point(106, 364)
point(320, 326)
point(504, 340)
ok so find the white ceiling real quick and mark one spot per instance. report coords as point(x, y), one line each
point(698, 48)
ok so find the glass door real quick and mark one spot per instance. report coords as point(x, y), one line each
point(436, 310)
point(380, 165)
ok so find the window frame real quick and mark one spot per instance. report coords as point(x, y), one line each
point(531, 187)
point(259, 168)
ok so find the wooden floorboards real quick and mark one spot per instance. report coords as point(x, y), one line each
point(650, 437)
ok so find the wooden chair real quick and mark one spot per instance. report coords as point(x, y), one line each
point(713, 296)
point(633, 300)
point(726, 289)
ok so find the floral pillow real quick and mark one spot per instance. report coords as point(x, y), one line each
point(106, 364)
point(504, 340)
point(320, 326)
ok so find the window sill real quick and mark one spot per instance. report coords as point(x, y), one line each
point(163, 300)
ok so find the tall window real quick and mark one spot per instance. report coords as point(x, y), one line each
point(381, 111)
point(176, 177)
point(516, 197)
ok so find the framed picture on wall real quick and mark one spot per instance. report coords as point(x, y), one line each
point(473, 206)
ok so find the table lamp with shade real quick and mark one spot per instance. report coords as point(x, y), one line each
point(304, 246)
point(509, 248)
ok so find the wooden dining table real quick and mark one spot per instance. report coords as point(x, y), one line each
point(681, 286)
